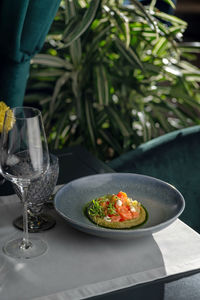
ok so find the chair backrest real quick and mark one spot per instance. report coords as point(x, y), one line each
point(174, 158)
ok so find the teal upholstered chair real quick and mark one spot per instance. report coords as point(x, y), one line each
point(23, 28)
point(174, 158)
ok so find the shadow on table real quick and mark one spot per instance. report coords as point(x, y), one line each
point(6, 189)
point(144, 292)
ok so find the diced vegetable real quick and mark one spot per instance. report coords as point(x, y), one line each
point(117, 207)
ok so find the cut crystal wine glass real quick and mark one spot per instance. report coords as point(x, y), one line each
point(24, 158)
point(39, 192)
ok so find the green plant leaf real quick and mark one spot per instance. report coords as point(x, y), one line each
point(179, 93)
point(188, 66)
point(145, 125)
point(170, 18)
point(178, 113)
point(99, 36)
point(77, 96)
point(51, 61)
point(129, 54)
point(159, 114)
point(47, 73)
point(192, 47)
point(70, 10)
point(60, 127)
point(122, 22)
point(190, 44)
point(152, 68)
point(159, 46)
point(171, 3)
point(115, 117)
point(192, 77)
point(102, 84)
point(75, 47)
point(76, 52)
point(148, 16)
point(173, 70)
point(90, 121)
point(74, 31)
point(174, 29)
point(59, 83)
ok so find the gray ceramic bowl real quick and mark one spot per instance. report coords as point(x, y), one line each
point(163, 202)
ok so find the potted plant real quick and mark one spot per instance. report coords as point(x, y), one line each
point(113, 76)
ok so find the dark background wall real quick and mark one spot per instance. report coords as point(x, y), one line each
point(189, 11)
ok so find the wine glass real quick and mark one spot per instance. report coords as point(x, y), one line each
point(24, 158)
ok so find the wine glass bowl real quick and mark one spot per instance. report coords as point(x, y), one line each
point(24, 147)
point(24, 158)
point(39, 192)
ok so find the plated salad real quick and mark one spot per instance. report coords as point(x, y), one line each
point(117, 211)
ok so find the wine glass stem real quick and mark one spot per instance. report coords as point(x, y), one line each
point(25, 240)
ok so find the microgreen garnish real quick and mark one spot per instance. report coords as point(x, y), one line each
point(111, 209)
point(96, 209)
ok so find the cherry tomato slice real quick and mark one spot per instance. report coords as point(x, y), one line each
point(122, 195)
point(115, 218)
point(135, 214)
point(124, 213)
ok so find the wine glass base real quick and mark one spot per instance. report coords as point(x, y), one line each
point(44, 222)
point(13, 248)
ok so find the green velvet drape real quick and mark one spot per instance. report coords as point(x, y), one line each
point(24, 25)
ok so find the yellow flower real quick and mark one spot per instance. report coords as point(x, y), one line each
point(3, 109)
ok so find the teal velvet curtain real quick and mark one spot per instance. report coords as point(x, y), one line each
point(24, 25)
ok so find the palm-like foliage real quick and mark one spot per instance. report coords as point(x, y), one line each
point(113, 76)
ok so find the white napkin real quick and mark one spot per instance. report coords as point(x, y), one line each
point(78, 265)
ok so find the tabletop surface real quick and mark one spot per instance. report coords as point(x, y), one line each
point(77, 162)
